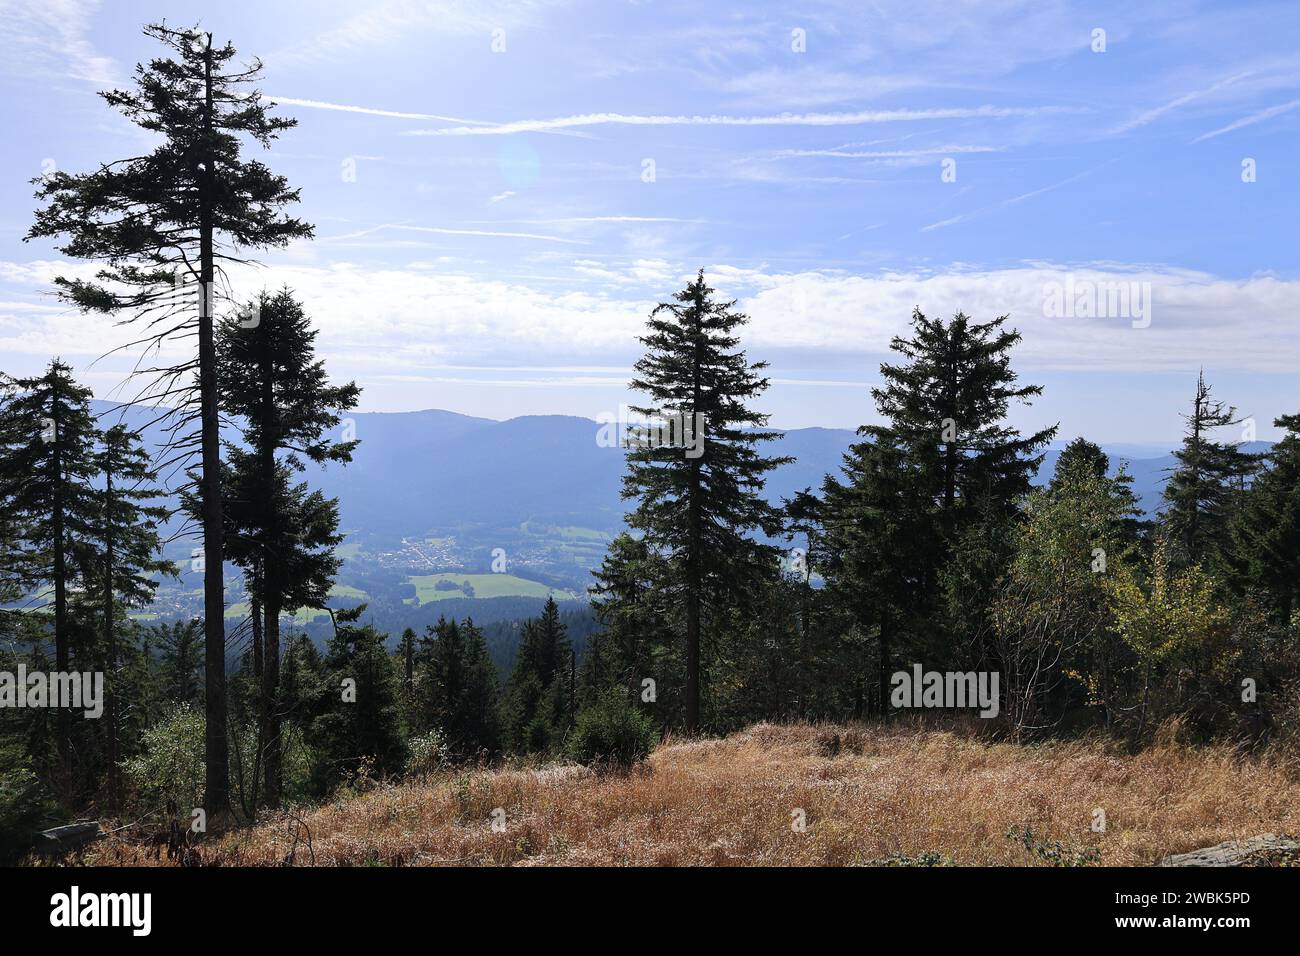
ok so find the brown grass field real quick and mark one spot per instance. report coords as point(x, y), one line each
point(869, 794)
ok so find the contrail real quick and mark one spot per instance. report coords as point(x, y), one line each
point(782, 119)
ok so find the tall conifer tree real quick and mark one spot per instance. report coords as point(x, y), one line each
point(1205, 484)
point(699, 509)
point(47, 463)
point(1267, 534)
point(917, 527)
point(280, 533)
point(163, 221)
point(125, 560)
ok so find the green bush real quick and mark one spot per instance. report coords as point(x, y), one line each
point(170, 765)
point(612, 732)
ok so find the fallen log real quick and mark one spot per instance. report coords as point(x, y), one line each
point(68, 837)
point(1267, 849)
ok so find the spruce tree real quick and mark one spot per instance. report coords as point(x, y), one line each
point(360, 725)
point(917, 529)
point(280, 534)
point(1080, 453)
point(883, 542)
point(180, 660)
point(166, 221)
point(1266, 537)
point(1088, 456)
point(536, 709)
point(698, 510)
point(456, 688)
point(47, 463)
point(302, 690)
point(1205, 484)
point(125, 558)
point(638, 639)
point(946, 406)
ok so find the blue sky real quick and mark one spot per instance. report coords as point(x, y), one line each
point(502, 191)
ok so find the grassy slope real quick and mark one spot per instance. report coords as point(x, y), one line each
point(901, 790)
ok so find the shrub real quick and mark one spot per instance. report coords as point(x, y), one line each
point(613, 732)
point(1054, 852)
point(170, 765)
point(427, 753)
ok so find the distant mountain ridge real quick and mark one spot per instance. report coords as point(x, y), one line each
point(423, 470)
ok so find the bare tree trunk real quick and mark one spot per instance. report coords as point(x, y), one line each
point(110, 642)
point(216, 750)
point(63, 721)
point(255, 617)
point(885, 636)
point(270, 694)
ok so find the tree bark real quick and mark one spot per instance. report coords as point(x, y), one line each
point(270, 435)
point(885, 637)
point(255, 617)
point(63, 720)
point(271, 701)
point(216, 747)
point(110, 642)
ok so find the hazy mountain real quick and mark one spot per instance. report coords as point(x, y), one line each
point(416, 472)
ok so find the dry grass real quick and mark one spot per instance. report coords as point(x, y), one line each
point(868, 793)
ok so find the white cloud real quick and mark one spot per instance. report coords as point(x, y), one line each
point(395, 321)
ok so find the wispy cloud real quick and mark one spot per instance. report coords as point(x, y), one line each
point(438, 230)
point(573, 219)
point(884, 153)
point(1250, 120)
point(383, 24)
point(54, 35)
point(1013, 200)
point(859, 118)
point(1142, 119)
